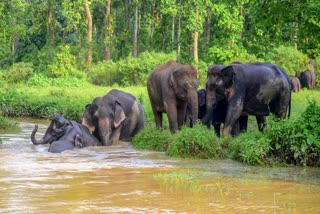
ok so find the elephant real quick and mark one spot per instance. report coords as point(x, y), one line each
point(296, 85)
point(116, 116)
point(307, 79)
point(171, 86)
point(219, 115)
point(249, 89)
point(63, 134)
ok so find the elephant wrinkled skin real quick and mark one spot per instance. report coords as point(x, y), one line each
point(171, 87)
point(116, 116)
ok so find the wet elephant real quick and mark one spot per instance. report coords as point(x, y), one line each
point(249, 89)
point(307, 79)
point(171, 86)
point(116, 116)
point(218, 116)
point(63, 134)
point(296, 85)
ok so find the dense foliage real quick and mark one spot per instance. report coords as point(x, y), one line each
point(94, 39)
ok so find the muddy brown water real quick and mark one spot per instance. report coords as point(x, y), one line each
point(120, 179)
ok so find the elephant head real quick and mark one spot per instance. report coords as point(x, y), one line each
point(183, 80)
point(55, 131)
point(219, 79)
point(104, 117)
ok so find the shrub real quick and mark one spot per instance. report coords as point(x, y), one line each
point(152, 138)
point(297, 141)
point(7, 125)
point(197, 142)
point(129, 71)
point(290, 59)
point(63, 64)
point(19, 72)
point(42, 80)
point(250, 148)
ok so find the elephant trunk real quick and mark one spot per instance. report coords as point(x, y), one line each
point(33, 138)
point(210, 106)
point(193, 101)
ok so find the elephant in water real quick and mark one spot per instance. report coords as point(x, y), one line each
point(63, 134)
point(116, 116)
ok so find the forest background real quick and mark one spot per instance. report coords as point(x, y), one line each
point(118, 42)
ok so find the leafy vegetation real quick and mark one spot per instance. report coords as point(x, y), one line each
point(152, 138)
point(196, 142)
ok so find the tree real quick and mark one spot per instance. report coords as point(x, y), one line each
point(89, 34)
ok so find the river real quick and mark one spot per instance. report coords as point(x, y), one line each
point(120, 179)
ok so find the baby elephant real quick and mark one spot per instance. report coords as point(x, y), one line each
point(63, 134)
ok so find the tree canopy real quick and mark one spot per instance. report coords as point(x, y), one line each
point(49, 33)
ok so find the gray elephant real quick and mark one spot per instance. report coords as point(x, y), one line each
point(171, 86)
point(116, 116)
point(296, 85)
point(63, 134)
point(249, 89)
point(307, 79)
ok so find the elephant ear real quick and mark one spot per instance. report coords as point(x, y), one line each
point(227, 75)
point(119, 115)
point(172, 78)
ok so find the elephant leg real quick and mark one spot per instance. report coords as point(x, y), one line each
point(234, 111)
point(261, 122)
point(181, 113)
point(158, 118)
point(172, 116)
point(243, 123)
point(235, 129)
point(217, 129)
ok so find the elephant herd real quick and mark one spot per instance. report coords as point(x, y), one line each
point(306, 79)
point(232, 92)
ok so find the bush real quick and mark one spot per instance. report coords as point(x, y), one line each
point(42, 80)
point(19, 72)
point(297, 141)
point(64, 64)
point(290, 59)
point(7, 125)
point(250, 148)
point(152, 138)
point(129, 71)
point(197, 142)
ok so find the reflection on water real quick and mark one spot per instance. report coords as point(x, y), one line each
point(119, 179)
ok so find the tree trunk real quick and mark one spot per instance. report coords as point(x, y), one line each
point(172, 33)
point(195, 40)
point(135, 33)
point(151, 25)
point(50, 26)
point(127, 13)
point(178, 37)
point(108, 32)
point(89, 33)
